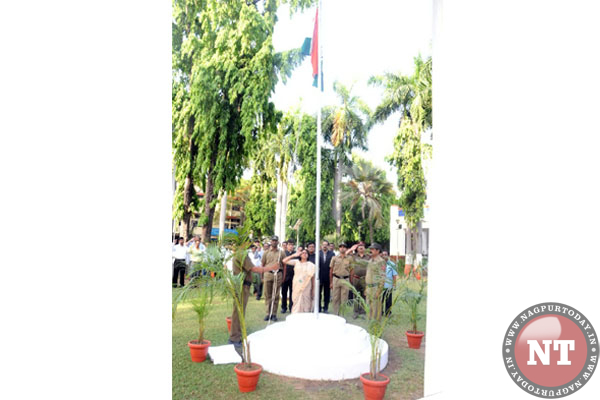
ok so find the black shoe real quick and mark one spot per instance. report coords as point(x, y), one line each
point(266, 318)
point(325, 312)
point(273, 317)
point(283, 310)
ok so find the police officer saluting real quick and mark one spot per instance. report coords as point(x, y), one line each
point(358, 270)
point(273, 279)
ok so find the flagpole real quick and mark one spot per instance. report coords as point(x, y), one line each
point(318, 208)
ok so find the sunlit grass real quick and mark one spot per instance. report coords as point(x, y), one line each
point(207, 381)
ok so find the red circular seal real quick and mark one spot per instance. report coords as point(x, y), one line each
point(550, 350)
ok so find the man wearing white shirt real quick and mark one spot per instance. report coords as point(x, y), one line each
point(255, 255)
point(179, 254)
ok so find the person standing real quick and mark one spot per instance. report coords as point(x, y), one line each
point(310, 248)
point(274, 279)
point(304, 281)
point(179, 265)
point(255, 255)
point(339, 275)
point(288, 279)
point(391, 275)
point(358, 271)
point(374, 280)
point(195, 251)
point(325, 256)
point(332, 248)
point(244, 265)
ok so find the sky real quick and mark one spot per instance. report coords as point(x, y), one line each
point(359, 39)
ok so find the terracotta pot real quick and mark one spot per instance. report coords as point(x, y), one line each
point(374, 390)
point(228, 324)
point(198, 351)
point(414, 339)
point(247, 380)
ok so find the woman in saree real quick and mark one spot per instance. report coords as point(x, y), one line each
point(304, 281)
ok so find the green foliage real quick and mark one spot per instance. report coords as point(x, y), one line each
point(346, 126)
point(367, 187)
point(260, 209)
point(412, 294)
point(224, 71)
point(302, 203)
point(411, 177)
point(200, 290)
point(412, 97)
point(233, 284)
point(377, 322)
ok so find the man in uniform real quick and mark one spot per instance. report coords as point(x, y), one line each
point(274, 279)
point(339, 274)
point(358, 270)
point(375, 280)
point(247, 267)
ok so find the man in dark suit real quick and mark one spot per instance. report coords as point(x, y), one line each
point(325, 256)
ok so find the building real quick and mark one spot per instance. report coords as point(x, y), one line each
point(399, 238)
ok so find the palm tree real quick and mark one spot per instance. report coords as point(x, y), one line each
point(345, 127)
point(412, 97)
point(367, 186)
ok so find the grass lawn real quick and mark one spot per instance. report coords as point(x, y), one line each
point(207, 381)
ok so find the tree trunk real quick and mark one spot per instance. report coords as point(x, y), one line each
point(209, 211)
point(337, 201)
point(188, 189)
point(409, 252)
point(283, 211)
point(362, 209)
point(276, 229)
point(371, 230)
point(222, 215)
point(418, 245)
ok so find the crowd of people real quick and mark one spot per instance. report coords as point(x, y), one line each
point(288, 273)
point(292, 281)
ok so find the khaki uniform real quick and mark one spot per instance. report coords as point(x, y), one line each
point(340, 268)
point(236, 331)
point(270, 257)
point(375, 279)
point(359, 270)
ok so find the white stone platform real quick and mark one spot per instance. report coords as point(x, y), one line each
point(308, 346)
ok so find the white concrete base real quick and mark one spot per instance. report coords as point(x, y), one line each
point(322, 347)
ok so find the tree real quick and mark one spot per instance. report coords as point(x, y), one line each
point(224, 71)
point(303, 192)
point(275, 158)
point(412, 97)
point(260, 209)
point(366, 187)
point(345, 129)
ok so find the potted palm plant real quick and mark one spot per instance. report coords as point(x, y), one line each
point(412, 295)
point(374, 382)
point(199, 291)
point(248, 373)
